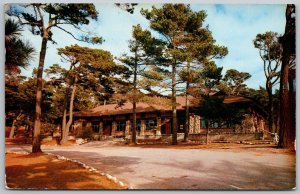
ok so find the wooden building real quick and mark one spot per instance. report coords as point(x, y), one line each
point(153, 120)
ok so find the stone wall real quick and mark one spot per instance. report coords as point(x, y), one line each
point(218, 130)
point(248, 125)
point(228, 137)
point(78, 130)
point(195, 124)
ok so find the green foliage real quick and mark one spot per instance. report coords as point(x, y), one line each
point(95, 70)
point(141, 61)
point(260, 96)
point(185, 41)
point(170, 19)
point(18, 52)
point(214, 108)
point(234, 82)
point(87, 133)
point(20, 98)
point(268, 43)
point(188, 44)
point(14, 99)
point(127, 6)
point(211, 74)
point(85, 99)
point(270, 51)
point(74, 54)
point(57, 16)
point(170, 22)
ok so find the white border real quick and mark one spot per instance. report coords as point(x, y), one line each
point(2, 101)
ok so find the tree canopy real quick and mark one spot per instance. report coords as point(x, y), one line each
point(18, 51)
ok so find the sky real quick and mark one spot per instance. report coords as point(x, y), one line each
point(233, 26)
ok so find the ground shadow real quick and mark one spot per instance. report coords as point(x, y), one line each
point(111, 164)
point(51, 173)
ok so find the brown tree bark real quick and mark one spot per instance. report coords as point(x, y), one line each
point(270, 107)
point(207, 130)
point(286, 136)
point(187, 108)
point(284, 130)
point(64, 121)
point(133, 130)
point(12, 130)
point(174, 112)
point(65, 132)
point(36, 145)
point(13, 126)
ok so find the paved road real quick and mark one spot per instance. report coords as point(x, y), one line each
point(166, 168)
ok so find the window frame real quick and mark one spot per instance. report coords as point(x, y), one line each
point(120, 126)
point(150, 125)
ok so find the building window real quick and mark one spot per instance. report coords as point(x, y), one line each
point(202, 123)
point(225, 124)
point(138, 125)
point(181, 123)
point(215, 124)
point(121, 125)
point(150, 124)
point(95, 127)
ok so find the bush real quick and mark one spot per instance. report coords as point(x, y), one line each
point(87, 133)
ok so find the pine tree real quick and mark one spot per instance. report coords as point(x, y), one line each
point(181, 31)
point(44, 18)
point(87, 67)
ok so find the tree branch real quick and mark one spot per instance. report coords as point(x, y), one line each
point(70, 33)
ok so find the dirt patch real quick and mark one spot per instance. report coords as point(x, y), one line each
point(201, 146)
point(40, 171)
point(56, 142)
point(259, 149)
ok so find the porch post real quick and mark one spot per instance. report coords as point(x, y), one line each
point(158, 130)
point(101, 128)
point(89, 125)
point(197, 123)
point(127, 128)
point(191, 117)
point(194, 121)
point(113, 128)
point(79, 130)
point(143, 126)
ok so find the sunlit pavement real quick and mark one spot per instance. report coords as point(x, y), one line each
point(167, 168)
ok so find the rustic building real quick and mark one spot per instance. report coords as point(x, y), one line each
point(154, 121)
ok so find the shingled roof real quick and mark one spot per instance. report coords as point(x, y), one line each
point(126, 108)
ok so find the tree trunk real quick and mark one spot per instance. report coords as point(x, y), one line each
point(187, 108)
point(270, 108)
point(207, 130)
point(284, 132)
point(286, 136)
point(12, 130)
point(65, 132)
point(64, 121)
point(133, 130)
point(36, 144)
point(174, 113)
point(13, 127)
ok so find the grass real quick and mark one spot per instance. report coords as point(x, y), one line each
point(41, 171)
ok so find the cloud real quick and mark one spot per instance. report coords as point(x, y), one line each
point(234, 26)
